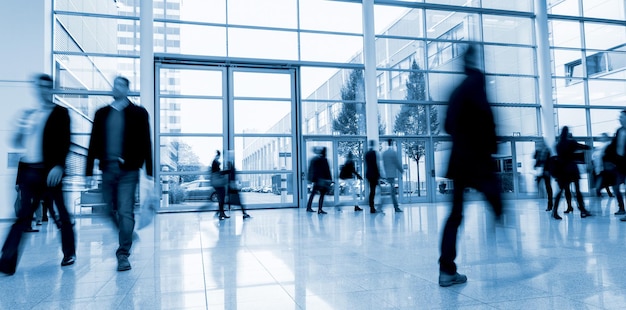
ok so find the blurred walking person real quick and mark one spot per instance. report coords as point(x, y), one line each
point(393, 170)
point(567, 173)
point(44, 133)
point(470, 123)
point(615, 162)
point(348, 173)
point(372, 173)
point(321, 177)
point(234, 192)
point(219, 181)
point(602, 178)
point(542, 165)
point(120, 141)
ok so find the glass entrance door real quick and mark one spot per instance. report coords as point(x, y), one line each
point(245, 113)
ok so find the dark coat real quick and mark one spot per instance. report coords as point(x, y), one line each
point(348, 171)
point(470, 123)
point(566, 167)
point(319, 169)
point(136, 145)
point(56, 138)
point(372, 173)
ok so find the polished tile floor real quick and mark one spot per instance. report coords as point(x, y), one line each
point(291, 259)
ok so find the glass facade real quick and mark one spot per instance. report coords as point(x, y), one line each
point(206, 100)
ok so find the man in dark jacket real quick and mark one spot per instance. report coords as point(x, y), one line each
point(44, 133)
point(320, 176)
point(372, 173)
point(471, 125)
point(120, 141)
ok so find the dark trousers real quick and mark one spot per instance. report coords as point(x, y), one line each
point(491, 189)
point(619, 179)
point(32, 184)
point(119, 187)
point(372, 195)
point(564, 187)
point(220, 191)
point(322, 192)
point(547, 181)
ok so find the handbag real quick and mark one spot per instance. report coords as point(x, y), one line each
point(324, 184)
point(218, 179)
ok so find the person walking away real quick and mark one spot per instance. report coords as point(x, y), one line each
point(348, 173)
point(615, 162)
point(320, 176)
point(219, 180)
point(470, 123)
point(44, 133)
point(234, 196)
point(542, 165)
point(372, 173)
point(568, 173)
point(393, 170)
point(120, 141)
point(600, 181)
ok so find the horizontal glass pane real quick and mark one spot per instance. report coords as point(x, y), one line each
point(95, 34)
point(400, 85)
point(509, 89)
point(516, 121)
point(341, 118)
point(575, 119)
point(95, 73)
point(256, 116)
point(188, 153)
point(82, 109)
point(190, 39)
point(563, 7)
point(567, 63)
point(180, 115)
point(517, 5)
point(507, 29)
point(208, 11)
point(471, 3)
point(603, 36)
point(604, 121)
point(264, 153)
point(445, 55)
point(275, 13)
point(568, 91)
point(510, 60)
point(319, 83)
point(262, 84)
point(190, 82)
point(268, 44)
point(448, 25)
point(330, 16)
point(602, 92)
point(315, 47)
point(127, 8)
point(398, 21)
point(410, 119)
point(565, 33)
point(399, 54)
point(441, 85)
point(609, 9)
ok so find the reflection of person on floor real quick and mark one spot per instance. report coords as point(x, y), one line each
point(348, 173)
point(44, 133)
point(471, 125)
point(320, 176)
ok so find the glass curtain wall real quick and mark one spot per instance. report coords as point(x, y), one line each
point(418, 44)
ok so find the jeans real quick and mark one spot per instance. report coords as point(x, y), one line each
point(392, 191)
point(32, 184)
point(119, 187)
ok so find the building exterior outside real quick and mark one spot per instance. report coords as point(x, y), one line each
point(232, 75)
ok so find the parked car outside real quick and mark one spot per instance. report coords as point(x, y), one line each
point(199, 190)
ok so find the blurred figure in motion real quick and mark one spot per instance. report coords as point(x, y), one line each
point(542, 165)
point(566, 173)
point(615, 162)
point(44, 133)
point(219, 181)
point(372, 173)
point(600, 180)
point(347, 173)
point(234, 196)
point(470, 123)
point(393, 170)
point(320, 176)
point(120, 141)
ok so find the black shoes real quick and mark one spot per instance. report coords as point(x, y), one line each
point(356, 208)
point(584, 214)
point(556, 216)
point(68, 260)
point(246, 216)
point(122, 263)
point(569, 210)
point(320, 211)
point(30, 229)
point(223, 217)
point(446, 280)
point(398, 210)
point(309, 210)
